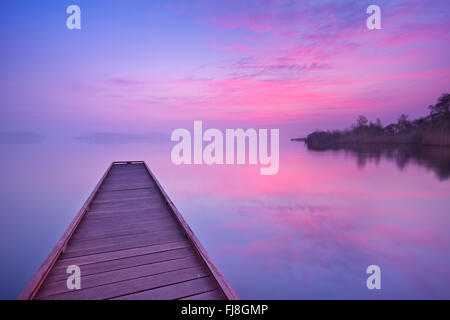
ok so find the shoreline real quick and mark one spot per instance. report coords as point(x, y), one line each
point(438, 138)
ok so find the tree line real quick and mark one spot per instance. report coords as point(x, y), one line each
point(402, 131)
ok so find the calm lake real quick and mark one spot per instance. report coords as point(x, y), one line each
point(308, 232)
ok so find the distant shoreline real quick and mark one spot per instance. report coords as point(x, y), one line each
point(320, 140)
point(432, 130)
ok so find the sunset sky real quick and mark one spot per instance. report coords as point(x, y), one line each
point(152, 66)
point(139, 69)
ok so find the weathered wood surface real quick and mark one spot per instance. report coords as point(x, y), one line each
point(130, 242)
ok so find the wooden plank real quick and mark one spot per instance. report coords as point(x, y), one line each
point(140, 271)
point(109, 222)
point(94, 227)
point(131, 216)
point(127, 168)
point(116, 289)
point(119, 198)
point(59, 273)
point(127, 182)
point(80, 242)
point(125, 186)
point(125, 189)
point(175, 291)
point(120, 246)
point(153, 196)
point(127, 174)
point(130, 176)
point(135, 175)
point(124, 212)
point(123, 209)
point(140, 238)
point(127, 171)
point(107, 195)
point(104, 234)
point(107, 256)
point(210, 295)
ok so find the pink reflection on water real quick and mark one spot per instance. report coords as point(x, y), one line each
point(308, 232)
point(320, 222)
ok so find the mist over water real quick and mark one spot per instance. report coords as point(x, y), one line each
point(309, 231)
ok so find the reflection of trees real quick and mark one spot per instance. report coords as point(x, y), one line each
point(436, 159)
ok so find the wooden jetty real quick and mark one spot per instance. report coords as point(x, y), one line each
point(130, 242)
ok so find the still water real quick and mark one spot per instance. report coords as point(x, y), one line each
point(308, 232)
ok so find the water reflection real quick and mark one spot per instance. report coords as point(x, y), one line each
point(309, 231)
point(436, 159)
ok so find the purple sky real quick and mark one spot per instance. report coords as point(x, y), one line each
point(152, 66)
